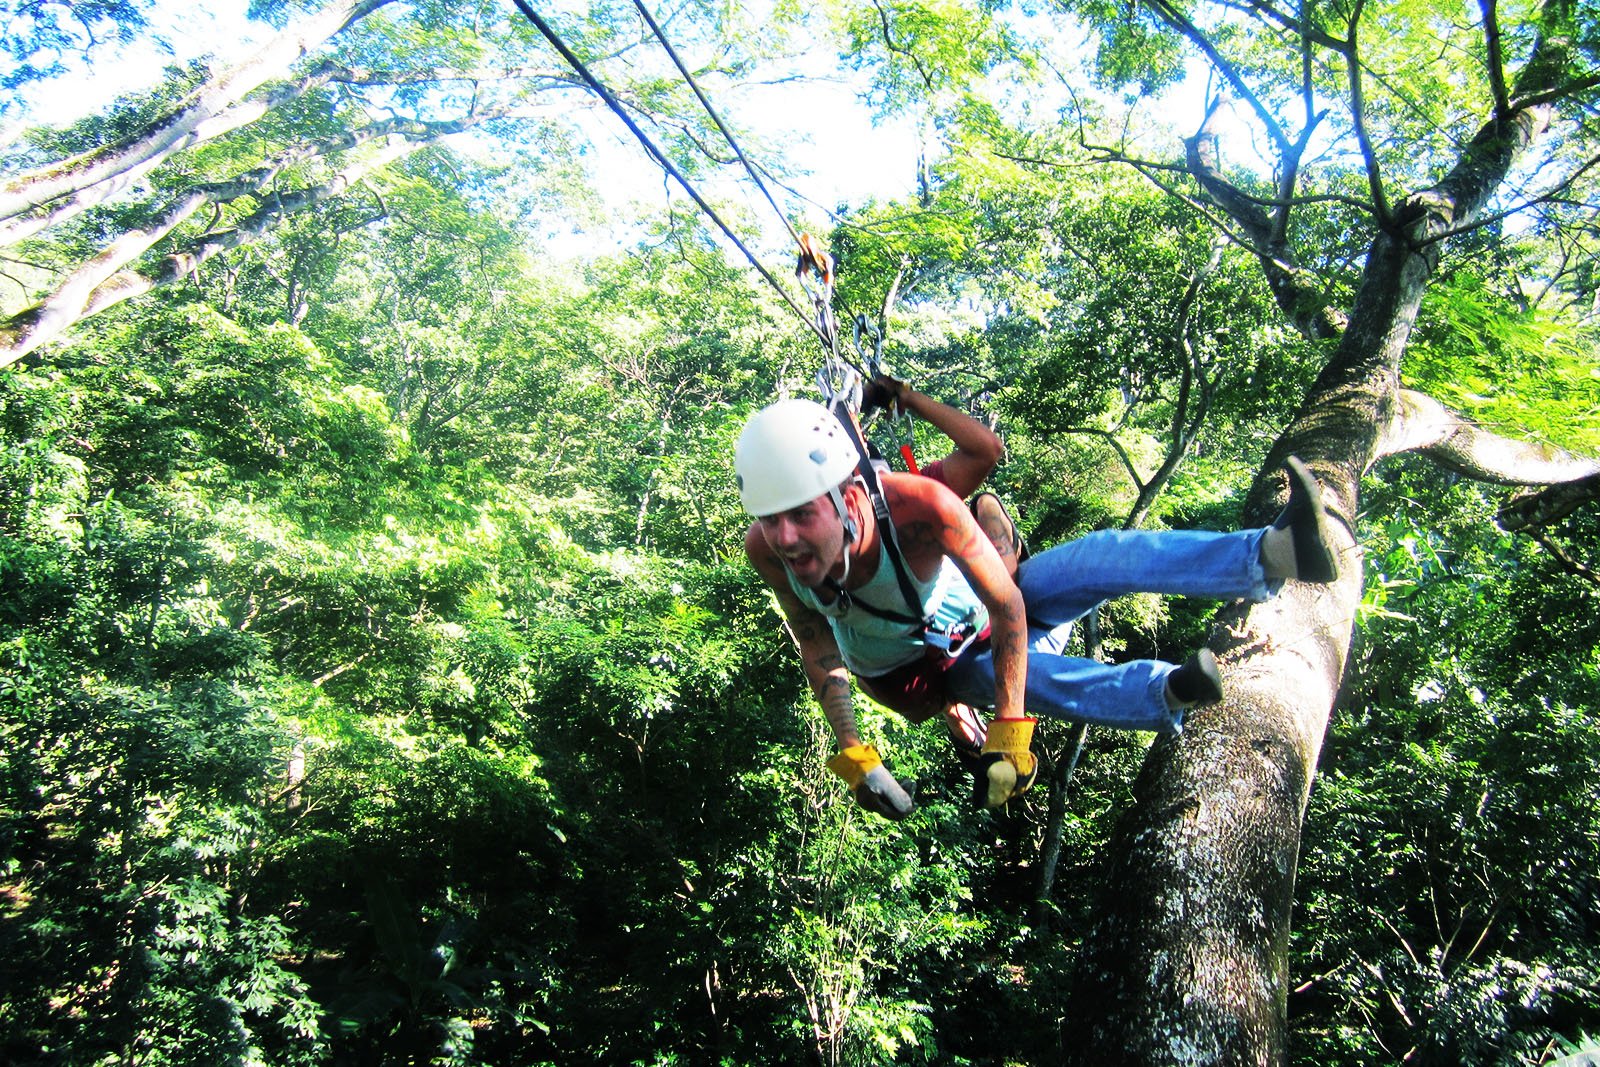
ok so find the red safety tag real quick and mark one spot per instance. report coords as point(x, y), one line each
point(911, 461)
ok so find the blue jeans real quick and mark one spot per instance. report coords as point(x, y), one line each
point(1065, 583)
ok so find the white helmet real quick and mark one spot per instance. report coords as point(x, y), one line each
point(789, 453)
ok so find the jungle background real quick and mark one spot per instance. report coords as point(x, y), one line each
point(380, 678)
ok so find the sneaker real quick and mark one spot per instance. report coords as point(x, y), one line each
point(1197, 681)
point(1306, 518)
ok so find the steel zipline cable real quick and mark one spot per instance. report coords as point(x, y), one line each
point(660, 157)
point(814, 260)
point(726, 133)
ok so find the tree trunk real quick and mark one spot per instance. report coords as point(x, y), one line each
point(1187, 961)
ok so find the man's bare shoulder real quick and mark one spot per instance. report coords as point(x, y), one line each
point(913, 498)
point(761, 555)
point(928, 518)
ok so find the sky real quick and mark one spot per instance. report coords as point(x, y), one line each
point(851, 160)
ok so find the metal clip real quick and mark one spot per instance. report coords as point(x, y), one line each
point(952, 640)
point(874, 362)
point(837, 380)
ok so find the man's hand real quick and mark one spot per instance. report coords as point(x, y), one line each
point(871, 783)
point(1007, 768)
point(881, 392)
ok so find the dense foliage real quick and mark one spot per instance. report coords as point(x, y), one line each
point(380, 680)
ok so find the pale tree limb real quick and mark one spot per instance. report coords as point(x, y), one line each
point(47, 216)
point(1422, 424)
point(102, 282)
point(205, 113)
point(61, 208)
point(65, 208)
point(36, 220)
point(75, 298)
point(1565, 482)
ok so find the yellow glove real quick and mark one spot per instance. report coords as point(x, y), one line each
point(1007, 768)
point(871, 783)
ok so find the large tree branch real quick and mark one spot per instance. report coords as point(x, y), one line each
point(44, 216)
point(103, 281)
point(1358, 115)
point(72, 299)
point(200, 115)
point(92, 193)
point(1169, 14)
point(1492, 52)
point(1566, 482)
point(1549, 196)
point(1293, 288)
point(1420, 423)
point(1300, 26)
point(1539, 508)
point(65, 208)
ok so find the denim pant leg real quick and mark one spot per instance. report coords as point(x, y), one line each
point(1128, 696)
point(1065, 583)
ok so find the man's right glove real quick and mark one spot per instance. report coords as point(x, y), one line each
point(881, 391)
point(871, 783)
point(1006, 769)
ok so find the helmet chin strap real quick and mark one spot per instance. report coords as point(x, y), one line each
point(852, 531)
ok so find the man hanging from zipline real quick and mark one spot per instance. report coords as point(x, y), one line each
point(888, 577)
point(977, 450)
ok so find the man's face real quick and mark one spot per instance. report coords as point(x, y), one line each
point(809, 538)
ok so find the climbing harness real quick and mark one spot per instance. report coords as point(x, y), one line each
point(950, 639)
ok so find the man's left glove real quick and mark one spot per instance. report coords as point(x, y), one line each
point(871, 783)
point(1007, 768)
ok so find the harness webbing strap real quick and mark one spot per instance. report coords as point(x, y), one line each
point(880, 510)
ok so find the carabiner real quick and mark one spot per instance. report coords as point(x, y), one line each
point(837, 380)
point(874, 362)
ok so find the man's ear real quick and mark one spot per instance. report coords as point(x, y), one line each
point(852, 501)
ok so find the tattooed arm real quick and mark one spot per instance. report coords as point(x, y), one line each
point(977, 448)
point(932, 523)
point(819, 652)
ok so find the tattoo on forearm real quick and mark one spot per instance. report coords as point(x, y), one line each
point(834, 696)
